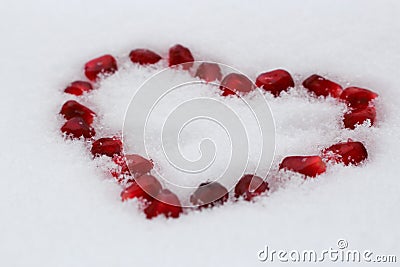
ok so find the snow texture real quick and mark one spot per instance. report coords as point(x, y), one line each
point(60, 209)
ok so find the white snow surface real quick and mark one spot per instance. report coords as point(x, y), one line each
point(59, 209)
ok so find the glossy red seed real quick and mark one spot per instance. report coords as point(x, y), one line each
point(347, 153)
point(144, 56)
point(356, 97)
point(133, 164)
point(359, 116)
point(209, 72)
point(209, 194)
point(138, 165)
point(250, 186)
point(77, 127)
point(78, 88)
point(107, 146)
point(308, 165)
point(72, 109)
point(275, 81)
point(235, 83)
point(145, 186)
point(102, 65)
point(322, 87)
point(179, 54)
point(165, 203)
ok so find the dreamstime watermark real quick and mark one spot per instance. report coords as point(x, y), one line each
point(341, 253)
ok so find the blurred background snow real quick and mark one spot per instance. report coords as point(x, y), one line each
point(57, 208)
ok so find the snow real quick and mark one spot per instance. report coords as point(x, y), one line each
point(59, 209)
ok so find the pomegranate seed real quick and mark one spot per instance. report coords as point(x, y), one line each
point(208, 194)
point(359, 116)
point(308, 165)
point(107, 146)
point(347, 153)
point(145, 186)
point(138, 165)
point(358, 97)
point(166, 203)
point(144, 56)
point(250, 186)
point(78, 88)
point(322, 87)
point(77, 127)
point(133, 164)
point(235, 83)
point(209, 72)
point(102, 65)
point(72, 109)
point(275, 81)
point(179, 54)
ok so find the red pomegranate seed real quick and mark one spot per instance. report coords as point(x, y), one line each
point(235, 83)
point(145, 186)
point(102, 65)
point(347, 153)
point(250, 186)
point(322, 87)
point(308, 165)
point(144, 56)
point(133, 164)
point(358, 97)
point(179, 54)
point(77, 127)
point(275, 81)
point(78, 88)
point(107, 146)
point(209, 72)
point(166, 203)
point(72, 109)
point(138, 165)
point(359, 116)
point(209, 194)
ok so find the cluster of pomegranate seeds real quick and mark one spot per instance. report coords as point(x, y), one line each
point(209, 194)
point(178, 54)
point(209, 72)
point(145, 186)
point(72, 109)
point(348, 153)
point(250, 186)
point(235, 83)
point(166, 203)
point(361, 107)
point(358, 98)
point(102, 65)
point(144, 56)
point(310, 166)
point(322, 87)
point(135, 170)
point(107, 146)
point(275, 81)
point(77, 127)
point(78, 88)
